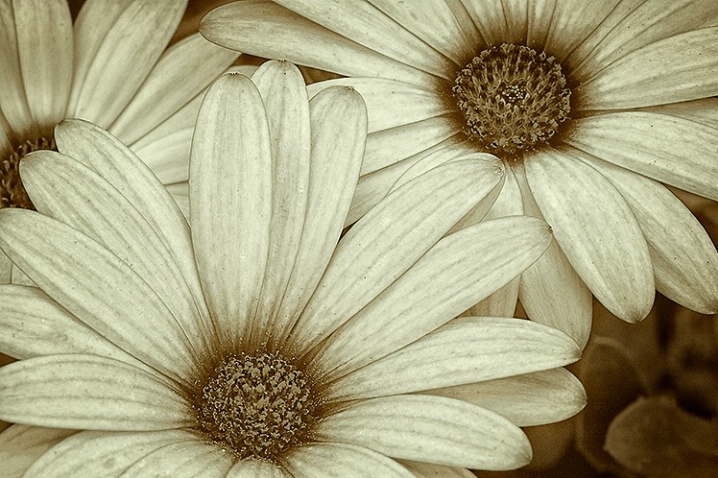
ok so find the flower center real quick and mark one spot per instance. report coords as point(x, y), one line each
point(12, 191)
point(513, 99)
point(257, 405)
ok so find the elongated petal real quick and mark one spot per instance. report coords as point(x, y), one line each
point(654, 145)
point(21, 445)
point(431, 429)
point(428, 470)
point(527, 400)
point(104, 153)
point(461, 270)
point(495, 25)
point(336, 460)
point(127, 53)
point(388, 240)
point(13, 101)
point(85, 278)
point(605, 245)
point(231, 198)
point(271, 31)
point(88, 392)
point(181, 73)
point(285, 99)
point(46, 58)
point(684, 258)
point(679, 68)
point(110, 219)
point(168, 155)
point(184, 459)
point(256, 469)
point(85, 453)
point(338, 126)
point(551, 292)
point(466, 350)
point(32, 324)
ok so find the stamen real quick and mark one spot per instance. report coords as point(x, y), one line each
point(12, 191)
point(513, 99)
point(258, 406)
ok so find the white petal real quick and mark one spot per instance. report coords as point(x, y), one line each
point(338, 125)
point(527, 400)
point(256, 469)
point(339, 460)
point(430, 429)
point(684, 258)
point(123, 57)
point(285, 99)
point(184, 459)
point(271, 31)
point(551, 292)
point(88, 392)
point(44, 42)
point(21, 445)
point(231, 199)
point(427, 470)
point(83, 454)
point(181, 73)
point(6, 268)
point(461, 270)
point(84, 277)
point(605, 245)
point(32, 324)
point(497, 25)
point(13, 103)
point(679, 68)
point(666, 148)
point(389, 239)
point(466, 350)
point(168, 155)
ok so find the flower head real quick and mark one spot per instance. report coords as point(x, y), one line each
point(254, 342)
point(113, 68)
point(590, 106)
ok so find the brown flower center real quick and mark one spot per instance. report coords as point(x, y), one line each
point(512, 98)
point(12, 191)
point(258, 406)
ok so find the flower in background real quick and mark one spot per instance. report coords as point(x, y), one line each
point(113, 68)
point(590, 106)
point(254, 344)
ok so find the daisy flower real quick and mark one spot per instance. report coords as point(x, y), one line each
point(113, 68)
point(254, 344)
point(591, 106)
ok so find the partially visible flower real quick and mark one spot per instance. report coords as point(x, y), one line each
point(590, 105)
point(112, 68)
point(253, 344)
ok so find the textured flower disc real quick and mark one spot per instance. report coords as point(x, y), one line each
point(12, 191)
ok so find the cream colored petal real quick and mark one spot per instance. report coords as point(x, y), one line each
point(88, 392)
point(389, 240)
point(104, 153)
point(704, 111)
point(256, 469)
point(168, 156)
point(605, 244)
point(181, 73)
point(527, 400)
point(83, 454)
point(6, 268)
point(271, 31)
point(44, 44)
point(679, 68)
point(497, 22)
point(21, 445)
point(336, 460)
point(32, 325)
point(466, 350)
point(684, 258)
point(84, 277)
point(189, 458)
point(461, 270)
point(13, 101)
point(128, 51)
point(338, 125)
point(231, 200)
point(285, 98)
point(551, 292)
point(428, 470)
point(391, 103)
point(666, 148)
point(642, 23)
point(430, 429)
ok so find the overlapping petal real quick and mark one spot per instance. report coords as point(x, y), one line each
point(336, 460)
point(22, 445)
